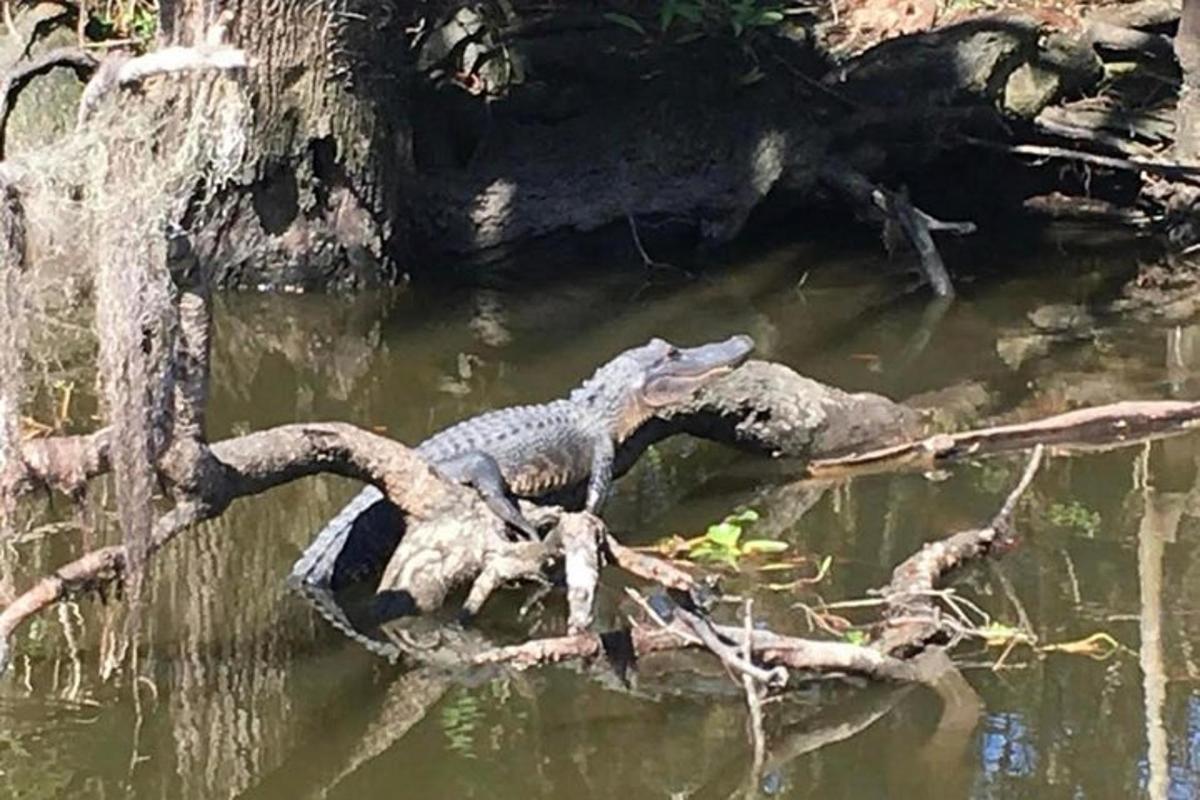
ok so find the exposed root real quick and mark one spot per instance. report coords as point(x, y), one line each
point(119, 70)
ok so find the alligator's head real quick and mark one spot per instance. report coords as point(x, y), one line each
point(640, 382)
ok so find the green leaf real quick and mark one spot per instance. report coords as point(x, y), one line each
point(855, 637)
point(763, 546)
point(770, 18)
point(747, 515)
point(626, 21)
point(707, 552)
point(724, 534)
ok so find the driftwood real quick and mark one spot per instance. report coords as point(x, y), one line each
point(910, 624)
point(906, 652)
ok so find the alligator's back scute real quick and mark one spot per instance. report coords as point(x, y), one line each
point(538, 448)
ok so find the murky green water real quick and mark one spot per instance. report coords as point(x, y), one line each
point(243, 691)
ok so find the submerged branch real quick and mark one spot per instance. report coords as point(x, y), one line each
point(911, 615)
point(771, 649)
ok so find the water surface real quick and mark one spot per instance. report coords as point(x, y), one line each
point(243, 691)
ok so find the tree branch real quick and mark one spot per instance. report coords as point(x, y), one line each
point(1120, 423)
point(911, 616)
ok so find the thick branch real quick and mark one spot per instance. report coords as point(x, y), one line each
point(453, 538)
point(241, 467)
point(1113, 424)
point(64, 463)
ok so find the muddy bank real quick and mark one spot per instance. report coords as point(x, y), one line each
point(495, 129)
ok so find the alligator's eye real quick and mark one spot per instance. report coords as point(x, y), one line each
point(673, 354)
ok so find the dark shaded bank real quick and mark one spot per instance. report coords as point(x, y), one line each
point(391, 140)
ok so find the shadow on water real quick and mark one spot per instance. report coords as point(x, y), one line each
point(244, 691)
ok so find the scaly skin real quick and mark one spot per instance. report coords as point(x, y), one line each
point(533, 451)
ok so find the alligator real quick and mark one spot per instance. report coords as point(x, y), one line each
point(535, 452)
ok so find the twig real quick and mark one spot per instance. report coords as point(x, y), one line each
point(657, 618)
point(648, 567)
point(753, 697)
point(727, 653)
point(897, 210)
point(9, 25)
point(647, 261)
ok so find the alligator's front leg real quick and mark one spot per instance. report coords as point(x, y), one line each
point(600, 480)
point(480, 471)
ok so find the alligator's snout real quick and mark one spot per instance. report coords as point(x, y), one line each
point(680, 372)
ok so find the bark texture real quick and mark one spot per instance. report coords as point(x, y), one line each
point(319, 201)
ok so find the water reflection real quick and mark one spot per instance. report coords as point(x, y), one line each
point(240, 690)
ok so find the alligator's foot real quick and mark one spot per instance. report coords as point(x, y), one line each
point(481, 472)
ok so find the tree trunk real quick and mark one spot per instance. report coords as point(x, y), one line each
point(1187, 50)
point(322, 189)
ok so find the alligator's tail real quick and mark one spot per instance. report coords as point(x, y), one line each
point(355, 544)
point(327, 604)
